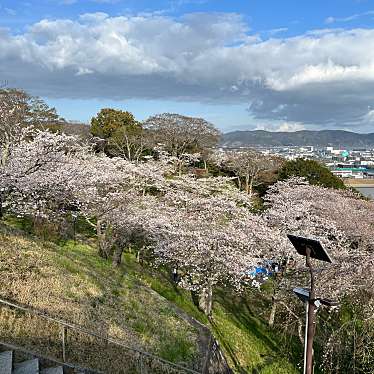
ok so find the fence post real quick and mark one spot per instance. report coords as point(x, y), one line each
point(207, 356)
point(141, 364)
point(64, 333)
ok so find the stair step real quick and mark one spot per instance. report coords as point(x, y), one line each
point(27, 367)
point(6, 362)
point(55, 370)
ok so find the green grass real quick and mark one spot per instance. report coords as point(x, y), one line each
point(250, 345)
point(238, 323)
point(160, 281)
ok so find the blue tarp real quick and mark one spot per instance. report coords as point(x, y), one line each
point(259, 271)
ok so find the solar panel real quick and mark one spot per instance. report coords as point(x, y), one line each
point(316, 250)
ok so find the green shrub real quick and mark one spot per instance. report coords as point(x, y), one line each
point(313, 171)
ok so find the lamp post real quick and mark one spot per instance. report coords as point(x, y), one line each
point(304, 295)
point(310, 249)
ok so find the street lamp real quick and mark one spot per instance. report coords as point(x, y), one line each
point(303, 295)
point(310, 249)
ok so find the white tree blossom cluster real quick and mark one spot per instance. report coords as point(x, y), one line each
point(50, 175)
point(246, 165)
point(204, 227)
point(342, 221)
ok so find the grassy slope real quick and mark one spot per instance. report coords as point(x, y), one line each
point(239, 325)
point(72, 282)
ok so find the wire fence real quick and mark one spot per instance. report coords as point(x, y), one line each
point(69, 343)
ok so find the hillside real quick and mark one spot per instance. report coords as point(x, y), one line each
point(134, 303)
point(72, 283)
point(336, 138)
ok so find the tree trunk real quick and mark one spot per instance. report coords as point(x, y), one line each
point(5, 154)
point(1, 206)
point(247, 183)
point(299, 321)
point(239, 183)
point(101, 239)
point(272, 313)
point(251, 188)
point(139, 257)
point(117, 256)
point(128, 147)
point(64, 229)
point(206, 299)
point(195, 298)
point(180, 168)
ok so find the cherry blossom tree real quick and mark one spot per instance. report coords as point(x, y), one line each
point(49, 175)
point(18, 109)
point(339, 217)
point(116, 184)
point(247, 165)
point(205, 229)
point(40, 172)
point(181, 134)
point(340, 220)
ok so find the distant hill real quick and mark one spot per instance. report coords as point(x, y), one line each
point(336, 138)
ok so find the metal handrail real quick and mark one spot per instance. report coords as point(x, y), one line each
point(78, 328)
point(13, 347)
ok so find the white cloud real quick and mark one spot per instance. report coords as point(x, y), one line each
point(369, 116)
point(321, 73)
point(329, 20)
point(290, 127)
point(10, 12)
point(323, 77)
point(281, 127)
point(277, 31)
point(83, 71)
point(352, 17)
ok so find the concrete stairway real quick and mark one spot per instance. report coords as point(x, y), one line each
point(8, 366)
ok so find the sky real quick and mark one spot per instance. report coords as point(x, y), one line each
point(242, 65)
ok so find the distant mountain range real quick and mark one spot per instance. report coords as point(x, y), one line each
point(323, 138)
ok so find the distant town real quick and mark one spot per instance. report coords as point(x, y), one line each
point(354, 165)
